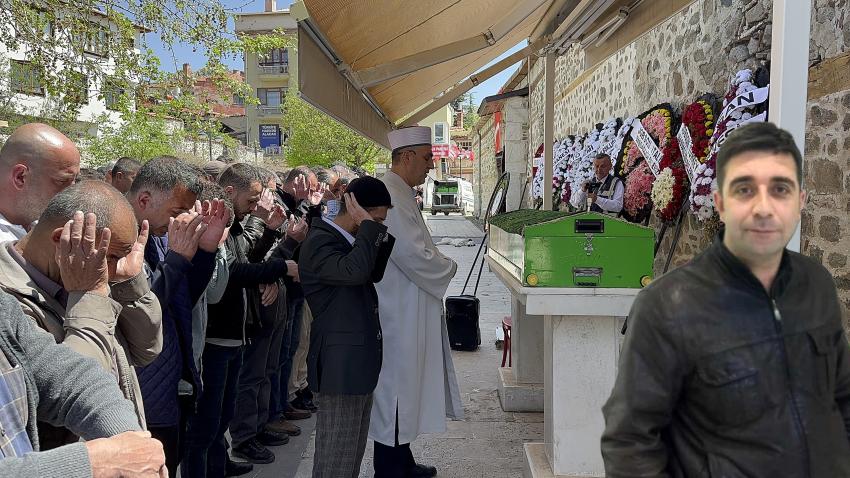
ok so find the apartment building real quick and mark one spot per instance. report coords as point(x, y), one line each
point(269, 75)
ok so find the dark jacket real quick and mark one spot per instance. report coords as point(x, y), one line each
point(720, 378)
point(245, 248)
point(178, 284)
point(339, 283)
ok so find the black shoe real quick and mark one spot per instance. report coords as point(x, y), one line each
point(270, 438)
point(254, 451)
point(301, 402)
point(237, 468)
point(422, 471)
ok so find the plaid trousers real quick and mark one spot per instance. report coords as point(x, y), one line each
point(342, 426)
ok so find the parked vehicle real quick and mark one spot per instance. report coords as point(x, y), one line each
point(452, 195)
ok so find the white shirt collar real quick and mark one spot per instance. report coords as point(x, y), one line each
point(9, 231)
point(348, 237)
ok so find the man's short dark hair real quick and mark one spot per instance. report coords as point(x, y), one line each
point(298, 171)
point(126, 165)
point(93, 196)
point(758, 137)
point(602, 156)
point(323, 175)
point(267, 175)
point(240, 176)
point(165, 173)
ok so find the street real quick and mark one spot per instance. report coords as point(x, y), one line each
point(488, 442)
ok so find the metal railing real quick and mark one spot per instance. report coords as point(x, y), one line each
point(274, 69)
point(265, 110)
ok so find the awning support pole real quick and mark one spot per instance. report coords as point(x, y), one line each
point(789, 73)
point(548, 131)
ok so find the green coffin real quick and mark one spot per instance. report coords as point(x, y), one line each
point(552, 249)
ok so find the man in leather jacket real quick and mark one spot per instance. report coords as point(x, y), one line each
point(737, 363)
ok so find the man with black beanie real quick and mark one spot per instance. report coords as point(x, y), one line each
point(340, 262)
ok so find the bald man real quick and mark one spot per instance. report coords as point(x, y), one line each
point(36, 163)
point(82, 279)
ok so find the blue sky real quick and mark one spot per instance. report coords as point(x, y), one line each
point(185, 54)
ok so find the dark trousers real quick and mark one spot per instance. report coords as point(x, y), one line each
point(206, 450)
point(291, 336)
point(342, 427)
point(170, 439)
point(252, 400)
point(393, 461)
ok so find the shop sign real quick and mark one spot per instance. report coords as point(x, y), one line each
point(269, 135)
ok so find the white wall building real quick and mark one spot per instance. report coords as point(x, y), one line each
point(21, 86)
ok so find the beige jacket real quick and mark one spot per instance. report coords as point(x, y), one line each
point(119, 332)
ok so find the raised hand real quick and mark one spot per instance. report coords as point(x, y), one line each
point(216, 221)
point(354, 210)
point(299, 187)
point(266, 206)
point(131, 265)
point(184, 233)
point(296, 228)
point(276, 218)
point(315, 197)
point(82, 265)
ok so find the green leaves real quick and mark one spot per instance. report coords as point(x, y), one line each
point(316, 139)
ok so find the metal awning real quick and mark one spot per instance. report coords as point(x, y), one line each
point(371, 64)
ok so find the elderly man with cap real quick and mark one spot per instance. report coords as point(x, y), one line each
point(417, 388)
point(340, 262)
point(36, 163)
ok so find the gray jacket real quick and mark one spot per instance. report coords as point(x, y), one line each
point(64, 389)
point(120, 331)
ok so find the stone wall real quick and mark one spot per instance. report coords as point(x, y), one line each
point(695, 52)
point(485, 173)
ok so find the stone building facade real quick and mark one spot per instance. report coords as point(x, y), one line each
point(696, 51)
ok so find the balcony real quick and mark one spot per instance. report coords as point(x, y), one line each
point(265, 111)
point(273, 70)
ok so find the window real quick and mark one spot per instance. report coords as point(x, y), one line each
point(112, 93)
point(25, 78)
point(271, 96)
point(238, 100)
point(440, 133)
point(278, 56)
point(78, 91)
point(42, 20)
point(94, 38)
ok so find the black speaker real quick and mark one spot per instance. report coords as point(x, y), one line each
point(462, 322)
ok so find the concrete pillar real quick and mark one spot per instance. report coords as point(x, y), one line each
point(789, 73)
point(548, 131)
point(515, 115)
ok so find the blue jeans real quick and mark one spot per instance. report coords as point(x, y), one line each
point(280, 382)
point(206, 450)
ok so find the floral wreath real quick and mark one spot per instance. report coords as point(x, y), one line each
point(658, 122)
point(671, 186)
point(699, 117)
point(705, 181)
point(639, 179)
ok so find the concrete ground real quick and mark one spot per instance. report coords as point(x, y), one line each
point(488, 442)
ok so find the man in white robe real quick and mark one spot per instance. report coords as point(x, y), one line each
point(417, 388)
